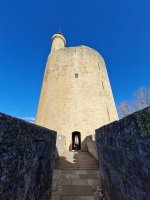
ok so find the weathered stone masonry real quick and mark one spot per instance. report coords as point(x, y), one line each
point(76, 94)
point(27, 155)
point(124, 157)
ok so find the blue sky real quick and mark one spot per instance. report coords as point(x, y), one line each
point(119, 30)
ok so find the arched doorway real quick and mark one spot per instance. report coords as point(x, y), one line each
point(74, 134)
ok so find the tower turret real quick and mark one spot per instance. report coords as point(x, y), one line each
point(58, 41)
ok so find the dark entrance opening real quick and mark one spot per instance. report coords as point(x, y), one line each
point(76, 134)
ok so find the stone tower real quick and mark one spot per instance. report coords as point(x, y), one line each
point(76, 96)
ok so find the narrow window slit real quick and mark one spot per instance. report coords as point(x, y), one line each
point(76, 75)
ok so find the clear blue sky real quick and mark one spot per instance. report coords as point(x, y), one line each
point(118, 29)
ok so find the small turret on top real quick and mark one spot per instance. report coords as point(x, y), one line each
point(58, 41)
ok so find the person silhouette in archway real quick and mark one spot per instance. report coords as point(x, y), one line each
point(76, 143)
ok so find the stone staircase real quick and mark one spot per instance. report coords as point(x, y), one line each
point(76, 177)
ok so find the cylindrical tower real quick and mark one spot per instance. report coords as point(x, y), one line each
point(76, 96)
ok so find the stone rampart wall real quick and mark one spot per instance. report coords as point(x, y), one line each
point(27, 156)
point(60, 145)
point(124, 157)
point(91, 145)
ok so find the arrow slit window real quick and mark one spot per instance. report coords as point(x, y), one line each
point(76, 75)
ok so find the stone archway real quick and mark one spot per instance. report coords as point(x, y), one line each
point(78, 134)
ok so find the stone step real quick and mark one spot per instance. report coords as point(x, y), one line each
point(74, 160)
point(76, 177)
point(78, 198)
point(77, 190)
